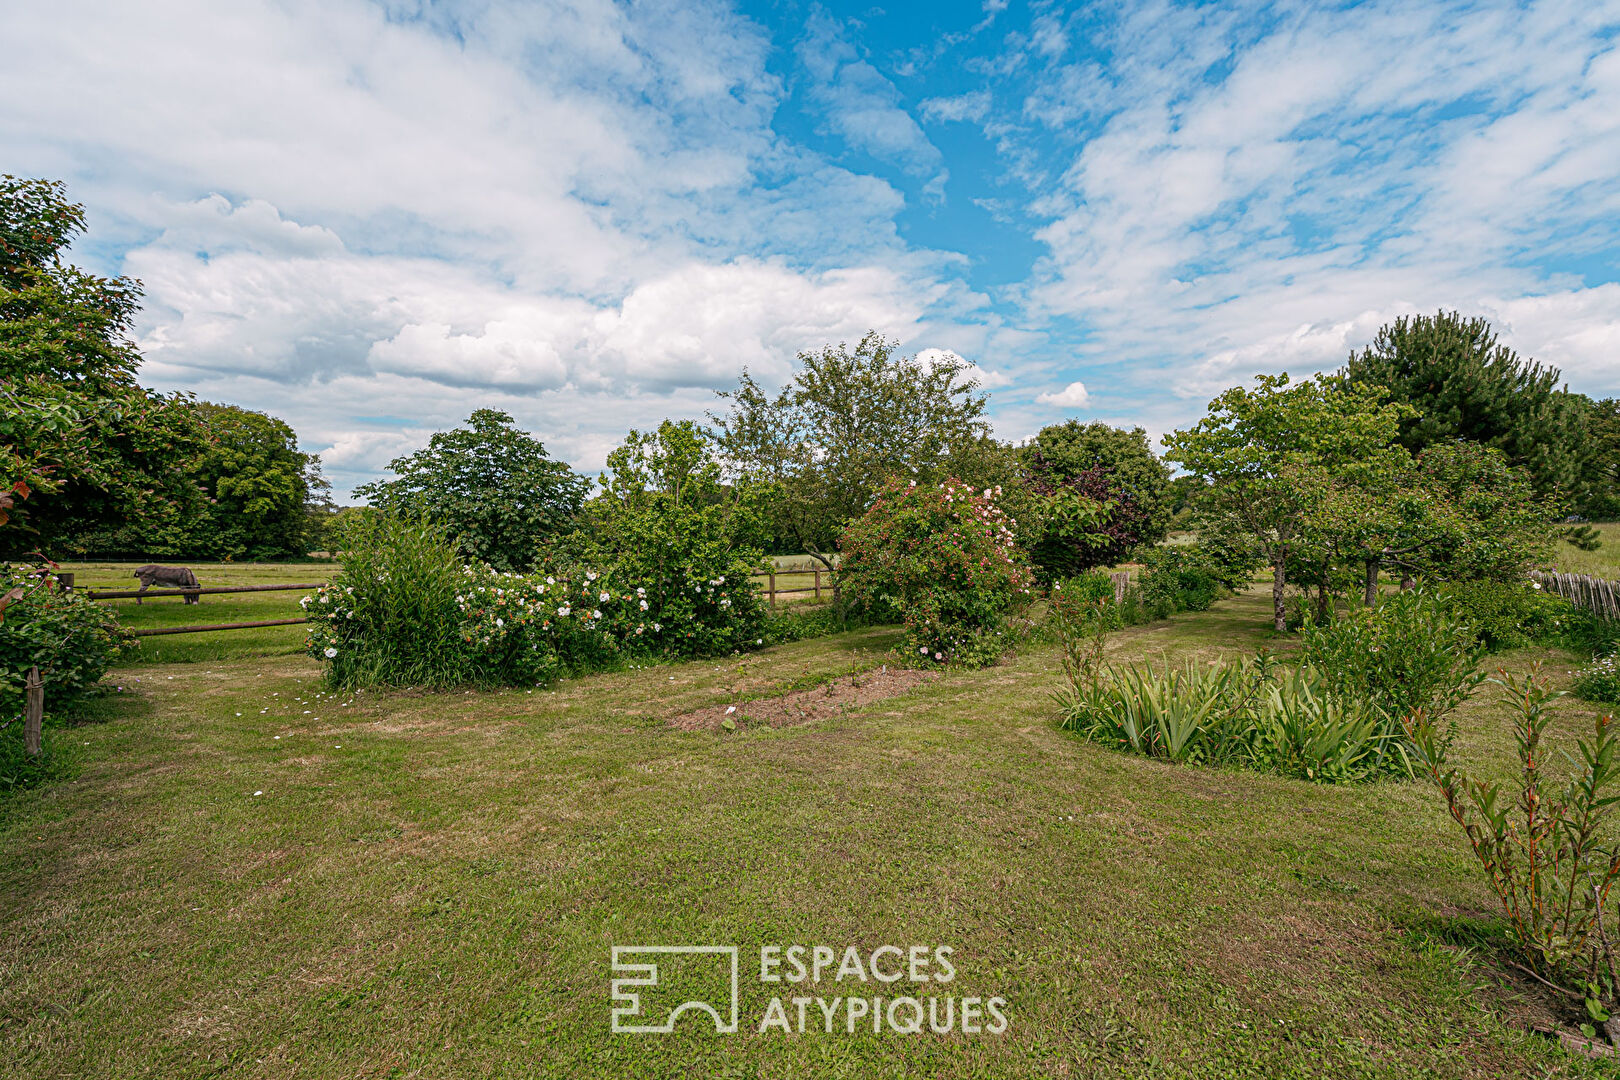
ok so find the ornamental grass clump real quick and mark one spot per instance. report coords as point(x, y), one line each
point(1547, 852)
point(1255, 712)
point(1336, 716)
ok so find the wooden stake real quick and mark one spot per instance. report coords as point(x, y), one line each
point(33, 713)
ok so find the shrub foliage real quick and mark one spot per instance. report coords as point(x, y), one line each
point(940, 558)
point(405, 611)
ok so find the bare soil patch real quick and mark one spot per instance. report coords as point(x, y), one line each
point(807, 706)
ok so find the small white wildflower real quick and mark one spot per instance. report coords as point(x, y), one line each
point(563, 611)
point(330, 652)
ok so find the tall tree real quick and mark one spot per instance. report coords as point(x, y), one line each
point(1134, 472)
point(848, 421)
point(258, 481)
point(1464, 384)
point(490, 483)
point(103, 463)
point(1266, 454)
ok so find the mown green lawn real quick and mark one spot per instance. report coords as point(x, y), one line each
point(430, 885)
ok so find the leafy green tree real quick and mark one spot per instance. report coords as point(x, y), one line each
point(491, 484)
point(259, 481)
point(1457, 512)
point(1462, 383)
point(45, 424)
point(1266, 453)
point(1490, 525)
point(848, 421)
point(110, 459)
point(1068, 450)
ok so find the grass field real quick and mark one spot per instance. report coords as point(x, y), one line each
point(250, 878)
point(1603, 563)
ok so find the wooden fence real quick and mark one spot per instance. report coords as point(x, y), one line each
point(766, 576)
point(1594, 594)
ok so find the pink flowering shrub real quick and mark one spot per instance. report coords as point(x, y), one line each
point(942, 559)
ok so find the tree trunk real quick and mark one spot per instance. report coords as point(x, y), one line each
point(1372, 582)
point(1323, 602)
point(1279, 611)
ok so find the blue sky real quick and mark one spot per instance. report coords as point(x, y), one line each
point(372, 218)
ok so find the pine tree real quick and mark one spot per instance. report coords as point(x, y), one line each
point(1465, 384)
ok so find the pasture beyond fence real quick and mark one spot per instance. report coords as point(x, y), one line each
point(1596, 595)
point(767, 576)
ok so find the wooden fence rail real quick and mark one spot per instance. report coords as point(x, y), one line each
point(126, 594)
point(1594, 594)
point(155, 631)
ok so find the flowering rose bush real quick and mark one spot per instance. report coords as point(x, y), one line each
point(404, 610)
point(940, 558)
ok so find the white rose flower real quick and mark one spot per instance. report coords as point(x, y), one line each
point(330, 652)
point(563, 611)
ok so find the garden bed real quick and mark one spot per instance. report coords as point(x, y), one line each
point(822, 702)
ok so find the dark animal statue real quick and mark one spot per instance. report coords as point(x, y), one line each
point(178, 577)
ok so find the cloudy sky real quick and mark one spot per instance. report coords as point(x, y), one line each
point(371, 218)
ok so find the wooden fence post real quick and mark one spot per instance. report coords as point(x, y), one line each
point(818, 586)
point(1122, 582)
point(772, 572)
point(65, 581)
point(33, 713)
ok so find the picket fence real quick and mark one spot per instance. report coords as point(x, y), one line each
point(1594, 594)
